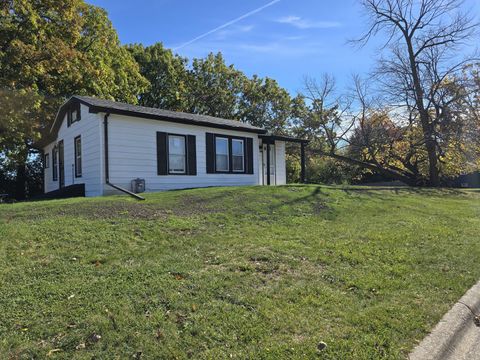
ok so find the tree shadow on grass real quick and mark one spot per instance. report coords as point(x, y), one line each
point(316, 199)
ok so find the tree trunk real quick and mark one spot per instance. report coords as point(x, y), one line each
point(427, 126)
point(387, 172)
point(20, 182)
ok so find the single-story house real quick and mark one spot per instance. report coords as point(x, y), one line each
point(106, 147)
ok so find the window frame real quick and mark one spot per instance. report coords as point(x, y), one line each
point(78, 156)
point(243, 156)
point(46, 161)
point(73, 109)
point(185, 154)
point(230, 139)
point(221, 137)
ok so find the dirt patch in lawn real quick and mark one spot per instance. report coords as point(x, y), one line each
point(108, 210)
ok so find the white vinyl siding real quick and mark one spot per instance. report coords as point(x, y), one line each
point(280, 163)
point(133, 154)
point(89, 128)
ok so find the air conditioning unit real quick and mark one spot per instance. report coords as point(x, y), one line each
point(138, 185)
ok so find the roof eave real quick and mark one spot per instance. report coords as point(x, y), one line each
point(101, 109)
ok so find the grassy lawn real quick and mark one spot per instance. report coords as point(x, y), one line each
point(255, 272)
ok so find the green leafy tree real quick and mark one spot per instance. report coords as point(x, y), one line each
point(167, 74)
point(265, 104)
point(49, 50)
point(214, 88)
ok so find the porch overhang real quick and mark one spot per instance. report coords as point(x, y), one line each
point(270, 140)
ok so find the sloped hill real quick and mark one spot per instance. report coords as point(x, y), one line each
point(253, 272)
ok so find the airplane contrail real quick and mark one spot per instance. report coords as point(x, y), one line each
point(231, 22)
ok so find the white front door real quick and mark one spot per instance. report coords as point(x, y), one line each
point(272, 165)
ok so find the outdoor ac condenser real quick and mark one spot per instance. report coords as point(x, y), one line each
point(138, 185)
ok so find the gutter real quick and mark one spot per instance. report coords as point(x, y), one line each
point(107, 175)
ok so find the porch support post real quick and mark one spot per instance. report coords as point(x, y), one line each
point(302, 162)
point(268, 163)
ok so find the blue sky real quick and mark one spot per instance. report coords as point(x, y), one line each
point(282, 39)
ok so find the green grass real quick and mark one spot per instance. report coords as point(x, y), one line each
point(253, 272)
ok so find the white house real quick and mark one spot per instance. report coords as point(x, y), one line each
point(100, 146)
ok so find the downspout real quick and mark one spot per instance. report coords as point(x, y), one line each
point(107, 174)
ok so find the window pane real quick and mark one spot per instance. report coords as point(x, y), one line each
point(237, 147)
point(222, 162)
point(78, 154)
point(176, 163)
point(176, 154)
point(237, 163)
point(221, 146)
point(176, 145)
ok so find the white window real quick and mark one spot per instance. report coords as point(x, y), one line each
point(238, 159)
point(221, 154)
point(176, 154)
point(76, 114)
point(78, 156)
point(46, 161)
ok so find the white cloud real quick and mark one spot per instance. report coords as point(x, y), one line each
point(301, 23)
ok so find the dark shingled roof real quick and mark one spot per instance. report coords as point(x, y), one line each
point(101, 105)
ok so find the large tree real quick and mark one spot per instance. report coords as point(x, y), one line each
point(412, 118)
point(214, 88)
point(423, 38)
point(167, 74)
point(49, 50)
point(265, 104)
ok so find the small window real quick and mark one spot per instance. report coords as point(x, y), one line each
point(78, 156)
point(73, 114)
point(46, 161)
point(55, 164)
point(221, 154)
point(76, 114)
point(176, 154)
point(238, 159)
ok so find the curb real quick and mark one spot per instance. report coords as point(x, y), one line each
point(456, 336)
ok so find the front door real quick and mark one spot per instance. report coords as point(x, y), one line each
point(272, 165)
point(61, 167)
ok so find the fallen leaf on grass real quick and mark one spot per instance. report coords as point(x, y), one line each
point(53, 351)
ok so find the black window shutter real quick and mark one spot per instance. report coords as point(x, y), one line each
point(162, 153)
point(79, 113)
point(249, 155)
point(191, 155)
point(210, 153)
